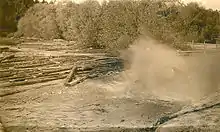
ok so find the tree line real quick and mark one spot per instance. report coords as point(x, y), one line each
point(114, 24)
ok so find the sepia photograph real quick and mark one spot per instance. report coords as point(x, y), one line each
point(109, 66)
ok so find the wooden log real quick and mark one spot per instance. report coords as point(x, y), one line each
point(77, 81)
point(80, 80)
point(3, 65)
point(33, 81)
point(21, 59)
point(33, 74)
point(71, 75)
point(56, 70)
point(17, 80)
point(16, 75)
point(83, 72)
point(5, 74)
point(37, 76)
point(51, 74)
point(4, 49)
point(26, 62)
point(85, 68)
point(29, 69)
point(7, 57)
point(35, 65)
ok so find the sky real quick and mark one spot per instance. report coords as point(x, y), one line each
point(214, 4)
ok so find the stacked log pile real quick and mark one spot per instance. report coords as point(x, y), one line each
point(14, 73)
point(27, 69)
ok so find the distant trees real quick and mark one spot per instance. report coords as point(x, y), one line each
point(200, 24)
point(66, 18)
point(87, 23)
point(116, 24)
point(39, 22)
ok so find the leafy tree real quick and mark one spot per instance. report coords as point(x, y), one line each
point(66, 18)
point(39, 22)
point(87, 23)
point(11, 11)
point(200, 21)
point(118, 24)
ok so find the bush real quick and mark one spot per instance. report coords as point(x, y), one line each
point(39, 22)
point(88, 14)
point(117, 24)
point(66, 17)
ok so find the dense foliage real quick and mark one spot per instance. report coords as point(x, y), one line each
point(10, 12)
point(39, 22)
point(116, 24)
point(200, 24)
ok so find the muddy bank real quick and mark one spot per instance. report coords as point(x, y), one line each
point(105, 103)
point(87, 107)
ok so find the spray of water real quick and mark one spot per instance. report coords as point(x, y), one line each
point(155, 68)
